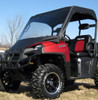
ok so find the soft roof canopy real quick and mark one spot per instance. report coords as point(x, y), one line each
point(67, 14)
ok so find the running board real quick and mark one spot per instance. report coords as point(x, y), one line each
point(83, 77)
point(71, 78)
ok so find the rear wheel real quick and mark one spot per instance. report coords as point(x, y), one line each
point(8, 83)
point(47, 81)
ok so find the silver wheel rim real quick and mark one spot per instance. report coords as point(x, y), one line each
point(52, 83)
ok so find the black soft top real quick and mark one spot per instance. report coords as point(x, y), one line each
point(66, 14)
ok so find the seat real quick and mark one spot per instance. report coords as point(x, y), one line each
point(79, 47)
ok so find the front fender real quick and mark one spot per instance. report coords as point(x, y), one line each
point(60, 48)
point(57, 59)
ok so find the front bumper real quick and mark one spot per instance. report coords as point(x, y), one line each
point(17, 64)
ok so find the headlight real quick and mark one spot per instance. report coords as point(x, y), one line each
point(28, 50)
point(37, 47)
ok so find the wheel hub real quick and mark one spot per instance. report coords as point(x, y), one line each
point(52, 83)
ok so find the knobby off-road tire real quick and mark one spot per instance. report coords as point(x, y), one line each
point(96, 77)
point(8, 83)
point(47, 82)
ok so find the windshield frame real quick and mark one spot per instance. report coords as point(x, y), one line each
point(32, 28)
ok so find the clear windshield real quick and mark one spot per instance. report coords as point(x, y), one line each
point(35, 29)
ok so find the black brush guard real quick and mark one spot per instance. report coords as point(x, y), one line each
point(14, 67)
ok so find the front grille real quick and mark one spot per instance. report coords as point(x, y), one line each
point(15, 57)
point(12, 58)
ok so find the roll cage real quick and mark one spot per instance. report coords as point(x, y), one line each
point(65, 15)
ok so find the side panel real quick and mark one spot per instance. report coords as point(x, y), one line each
point(83, 67)
point(58, 48)
point(88, 66)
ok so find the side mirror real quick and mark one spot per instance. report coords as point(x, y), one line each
point(57, 30)
point(84, 26)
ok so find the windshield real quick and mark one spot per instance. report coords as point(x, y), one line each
point(35, 29)
point(44, 24)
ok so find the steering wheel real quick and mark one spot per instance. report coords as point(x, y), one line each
point(67, 37)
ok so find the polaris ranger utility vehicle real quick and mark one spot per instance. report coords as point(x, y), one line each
point(47, 56)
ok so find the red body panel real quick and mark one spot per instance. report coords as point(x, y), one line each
point(50, 47)
point(79, 46)
point(46, 43)
point(34, 45)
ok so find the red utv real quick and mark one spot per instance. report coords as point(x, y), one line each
point(47, 57)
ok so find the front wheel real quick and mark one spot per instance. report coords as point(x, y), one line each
point(8, 83)
point(47, 81)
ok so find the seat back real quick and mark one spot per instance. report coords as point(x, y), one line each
point(79, 44)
